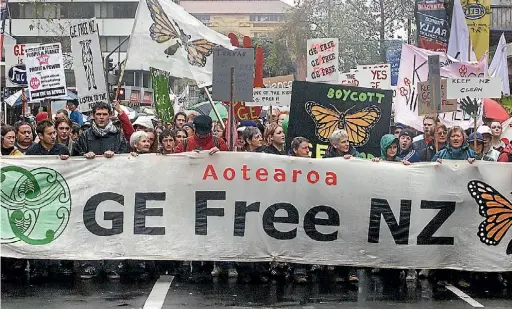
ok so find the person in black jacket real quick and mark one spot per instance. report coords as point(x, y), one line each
point(103, 138)
point(47, 142)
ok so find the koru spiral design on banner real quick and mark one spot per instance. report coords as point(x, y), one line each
point(36, 205)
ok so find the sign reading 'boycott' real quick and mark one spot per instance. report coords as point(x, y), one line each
point(313, 211)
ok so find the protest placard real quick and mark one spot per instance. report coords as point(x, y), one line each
point(284, 81)
point(432, 24)
point(478, 88)
point(393, 54)
point(88, 64)
point(45, 71)
point(380, 76)
point(242, 61)
point(318, 109)
point(424, 105)
point(271, 97)
point(322, 60)
point(15, 70)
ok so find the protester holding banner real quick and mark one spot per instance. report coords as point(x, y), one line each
point(420, 142)
point(63, 127)
point(139, 143)
point(253, 140)
point(103, 138)
point(179, 120)
point(488, 151)
point(203, 138)
point(496, 142)
point(457, 148)
point(406, 149)
point(8, 140)
point(274, 140)
point(340, 146)
point(388, 149)
point(300, 147)
point(24, 136)
point(48, 142)
point(167, 141)
point(181, 135)
point(476, 143)
point(432, 148)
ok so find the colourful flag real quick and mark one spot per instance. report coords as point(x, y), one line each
point(478, 18)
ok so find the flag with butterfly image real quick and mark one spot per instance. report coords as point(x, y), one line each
point(318, 109)
point(166, 37)
point(414, 69)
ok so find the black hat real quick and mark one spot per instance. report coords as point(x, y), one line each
point(203, 124)
point(406, 132)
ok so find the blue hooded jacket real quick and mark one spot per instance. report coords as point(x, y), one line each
point(410, 155)
point(461, 153)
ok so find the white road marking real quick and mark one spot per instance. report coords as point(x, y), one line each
point(157, 296)
point(465, 297)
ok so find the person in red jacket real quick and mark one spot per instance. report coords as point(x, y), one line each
point(203, 139)
point(126, 124)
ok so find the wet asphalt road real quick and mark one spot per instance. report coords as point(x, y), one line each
point(371, 292)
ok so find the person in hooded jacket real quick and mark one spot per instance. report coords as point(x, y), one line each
point(406, 150)
point(340, 146)
point(457, 148)
point(389, 150)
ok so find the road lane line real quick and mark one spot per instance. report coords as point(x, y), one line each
point(465, 297)
point(157, 296)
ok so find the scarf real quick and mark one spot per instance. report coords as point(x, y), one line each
point(7, 151)
point(109, 128)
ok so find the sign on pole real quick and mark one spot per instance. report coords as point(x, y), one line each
point(45, 71)
point(15, 70)
point(424, 105)
point(242, 61)
point(478, 88)
point(380, 76)
point(88, 64)
point(271, 97)
point(322, 60)
point(434, 80)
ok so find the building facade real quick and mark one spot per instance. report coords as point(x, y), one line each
point(253, 18)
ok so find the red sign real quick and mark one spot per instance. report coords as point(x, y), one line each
point(34, 83)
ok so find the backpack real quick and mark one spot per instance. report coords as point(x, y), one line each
point(215, 141)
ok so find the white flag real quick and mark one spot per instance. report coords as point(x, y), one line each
point(459, 35)
point(168, 38)
point(499, 67)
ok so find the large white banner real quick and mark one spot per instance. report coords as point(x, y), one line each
point(168, 38)
point(88, 64)
point(45, 71)
point(414, 69)
point(257, 207)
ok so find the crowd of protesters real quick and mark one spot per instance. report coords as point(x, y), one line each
point(110, 132)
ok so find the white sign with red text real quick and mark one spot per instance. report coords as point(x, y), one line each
point(15, 72)
point(322, 58)
point(45, 71)
point(377, 76)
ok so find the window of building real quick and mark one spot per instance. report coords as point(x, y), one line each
point(203, 18)
point(34, 10)
point(74, 10)
point(116, 10)
point(193, 93)
point(109, 43)
point(128, 78)
point(271, 17)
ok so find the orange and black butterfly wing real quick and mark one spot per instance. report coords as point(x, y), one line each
point(359, 125)
point(198, 51)
point(162, 29)
point(326, 120)
point(497, 211)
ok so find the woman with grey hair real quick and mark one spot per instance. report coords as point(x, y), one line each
point(139, 143)
point(340, 146)
point(253, 140)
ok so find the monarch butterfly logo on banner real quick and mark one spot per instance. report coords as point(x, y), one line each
point(164, 29)
point(497, 211)
point(318, 109)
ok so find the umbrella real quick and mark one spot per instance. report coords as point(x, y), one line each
point(221, 109)
point(204, 108)
point(15, 99)
point(494, 110)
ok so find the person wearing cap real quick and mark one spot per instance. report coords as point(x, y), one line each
point(74, 114)
point(398, 128)
point(480, 146)
point(489, 151)
point(457, 148)
point(143, 123)
point(203, 138)
point(189, 127)
point(405, 144)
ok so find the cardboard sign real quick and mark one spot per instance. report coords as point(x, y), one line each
point(45, 71)
point(478, 88)
point(15, 70)
point(424, 105)
point(380, 76)
point(318, 109)
point(88, 64)
point(271, 96)
point(242, 60)
point(322, 59)
point(284, 81)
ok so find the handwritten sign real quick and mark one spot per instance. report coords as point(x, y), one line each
point(284, 81)
point(379, 76)
point(242, 60)
point(424, 105)
point(271, 96)
point(322, 59)
point(478, 88)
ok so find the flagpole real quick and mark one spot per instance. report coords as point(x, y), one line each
point(214, 108)
point(231, 112)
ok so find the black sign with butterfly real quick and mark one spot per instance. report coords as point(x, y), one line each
point(317, 110)
point(165, 29)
